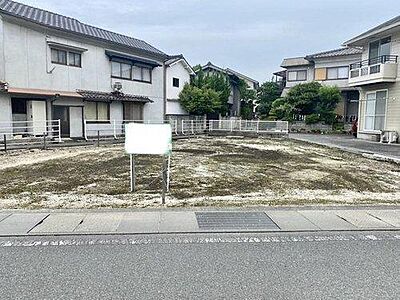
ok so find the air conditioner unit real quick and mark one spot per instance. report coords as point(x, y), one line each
point(3, 86)
point(117, 87)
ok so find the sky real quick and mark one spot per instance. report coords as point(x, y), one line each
point(249, 36)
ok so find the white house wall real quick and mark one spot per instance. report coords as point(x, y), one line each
point(5, 112)
point(176, 70)
point(28, 65)
point(2, 69)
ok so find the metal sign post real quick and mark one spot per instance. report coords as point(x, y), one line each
point(169, 173)
point(164, 179)
point(133, 174)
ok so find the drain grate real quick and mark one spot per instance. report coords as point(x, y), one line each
point(234, 220)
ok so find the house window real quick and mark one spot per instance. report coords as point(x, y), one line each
point(175, 82)
point(18, 106)
point(130, 72)
point(146, 74)
point(338, 73)
point(97, 111)
point(59, 56)
point(297, 75)
point(64, 57)
point(121, 70)
point(75, 59)
point(320, 74)
point(375, 110)
point(137, 73)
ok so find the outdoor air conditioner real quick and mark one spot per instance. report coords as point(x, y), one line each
point(389, 136)
point(117, 87)
point(3, 86)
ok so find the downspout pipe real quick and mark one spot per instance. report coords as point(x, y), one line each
point(165, 66)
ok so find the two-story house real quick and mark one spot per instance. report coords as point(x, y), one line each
point(330, 68)
point(377, 76)
point(54, 67)
point(235, 98)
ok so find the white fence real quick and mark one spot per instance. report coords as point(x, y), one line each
point(116, 128)
point(270, 127)
point(30, 132)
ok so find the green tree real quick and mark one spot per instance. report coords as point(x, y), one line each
point(216, 82)
point(316, 102)
point(199, 101)
point(329, 98)
point(266, 95)
point(281, 110)
point(247, 98)
point(304, 98)
point(220, 83)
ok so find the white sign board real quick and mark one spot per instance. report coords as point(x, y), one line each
point(153, 139)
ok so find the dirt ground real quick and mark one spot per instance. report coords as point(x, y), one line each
point(205, 171)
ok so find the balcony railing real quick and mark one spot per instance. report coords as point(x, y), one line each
point(374, 61)
point(373, 64)
point(379, 69)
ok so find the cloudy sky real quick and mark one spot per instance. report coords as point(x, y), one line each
point(250, 36)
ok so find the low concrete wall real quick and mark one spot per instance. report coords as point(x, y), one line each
point(246, 134)
point(300, 126)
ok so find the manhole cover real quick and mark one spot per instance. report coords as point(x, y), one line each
point(234, 220)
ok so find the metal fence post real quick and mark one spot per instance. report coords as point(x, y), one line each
point(5, 142)
point(98, 138)
point(85, 129)
point(115, 129)
point(192, 127)
point(176, 126)
point(231, 125)
point(59, 130)
point(44, 141)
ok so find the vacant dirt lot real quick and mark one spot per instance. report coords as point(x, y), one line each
point(205, 171)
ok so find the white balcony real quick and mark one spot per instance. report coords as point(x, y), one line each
point(376, 70)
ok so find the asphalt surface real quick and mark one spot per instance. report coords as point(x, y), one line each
point(348, 142)
point(214, 266)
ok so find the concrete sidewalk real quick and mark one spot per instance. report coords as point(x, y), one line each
point(163, 221)
point(348, 143)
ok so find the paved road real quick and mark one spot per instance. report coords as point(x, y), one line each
point(347, 142)
point(214, 266)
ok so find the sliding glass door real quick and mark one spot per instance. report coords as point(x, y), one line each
point(375, 110)
point(380, 48)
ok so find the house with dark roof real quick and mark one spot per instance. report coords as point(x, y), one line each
point(377, 76)
point(330, 68)
point(234, 76)
point(53, 67)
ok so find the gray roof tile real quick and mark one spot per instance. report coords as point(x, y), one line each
point(294, 62)
point(61, 22)
point(336, 52)
point(108, 97)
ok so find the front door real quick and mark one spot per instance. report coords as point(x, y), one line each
point(62, 113)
